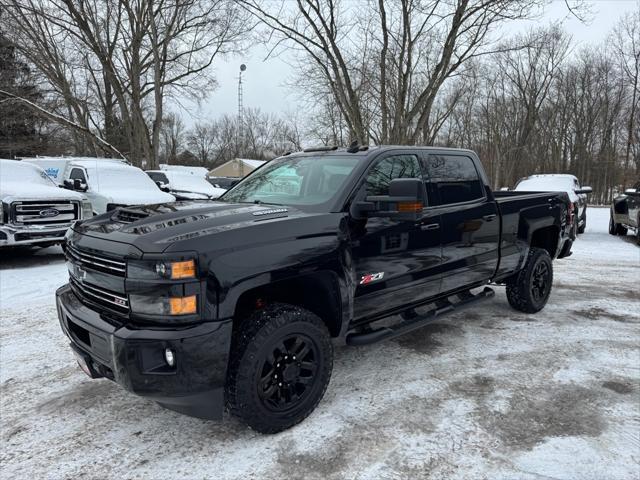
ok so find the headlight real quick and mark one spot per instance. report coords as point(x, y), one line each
point(87, 209)
point(164, 305)
point(161, 269)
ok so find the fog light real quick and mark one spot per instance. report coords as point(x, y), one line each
point(169, 357)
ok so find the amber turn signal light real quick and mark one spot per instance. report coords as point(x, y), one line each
point(409, 207)
point(183, 305)
point(185, 269)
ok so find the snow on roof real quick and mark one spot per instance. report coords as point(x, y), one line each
point(77, 159)
point(188, 169)
point(251, 162)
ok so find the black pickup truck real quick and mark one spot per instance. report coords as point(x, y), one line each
point(235, 302)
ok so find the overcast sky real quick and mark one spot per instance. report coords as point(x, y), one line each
point(265, 81)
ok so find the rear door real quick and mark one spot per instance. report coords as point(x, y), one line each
point(470, 222)
point(396, 262)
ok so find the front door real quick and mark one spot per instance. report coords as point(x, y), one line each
point(396, 262)
point(470, 221)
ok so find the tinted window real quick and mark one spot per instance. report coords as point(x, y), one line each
point(390, 168)
point(77, 174)
point(454, 179)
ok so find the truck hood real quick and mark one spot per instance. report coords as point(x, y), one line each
point(139, 197)
point(12, 191)
point(181, 226)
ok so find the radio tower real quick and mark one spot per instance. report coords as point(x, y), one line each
point(240, 131)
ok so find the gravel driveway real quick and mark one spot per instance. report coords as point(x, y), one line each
point(485, 393)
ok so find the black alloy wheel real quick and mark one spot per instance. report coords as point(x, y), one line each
point(279, 368)
point(540, 283)
point(288, 372)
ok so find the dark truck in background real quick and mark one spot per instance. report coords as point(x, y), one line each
point(625, 212)
point(235, 302)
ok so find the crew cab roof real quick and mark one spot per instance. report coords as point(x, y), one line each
point(365, 150)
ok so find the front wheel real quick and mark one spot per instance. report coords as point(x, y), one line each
point(280, 366)
point(529, 290)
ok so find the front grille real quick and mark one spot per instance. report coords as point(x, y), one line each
point(96, 262)
point(128, 216)
point(45, 213)
point(116, 302)
point(53, 235)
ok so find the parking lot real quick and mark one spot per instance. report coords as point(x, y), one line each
point(483, 393)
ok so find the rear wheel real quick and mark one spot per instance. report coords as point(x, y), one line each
point(529, 290)
point(583, 227)
point(612, 225)
point(281, 362)
point(616, 228)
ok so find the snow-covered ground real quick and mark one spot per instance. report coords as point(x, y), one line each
point(485, 393)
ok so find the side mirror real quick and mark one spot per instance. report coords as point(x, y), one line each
point(162, 186)
point(631, 191)
point(585, 190)
point(79, 185)
point(404, 202)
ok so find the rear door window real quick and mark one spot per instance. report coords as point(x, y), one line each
point(453, 179)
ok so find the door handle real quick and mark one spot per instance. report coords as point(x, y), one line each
point(490, 218)
point(431, 226)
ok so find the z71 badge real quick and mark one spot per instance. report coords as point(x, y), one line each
point(372, 277)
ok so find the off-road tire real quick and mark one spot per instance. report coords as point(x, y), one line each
point(616, 228)
point(519, 287)
point(583, 227)
point(612, 225)
point(252, 342)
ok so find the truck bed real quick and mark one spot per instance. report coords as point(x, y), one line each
point(515, 225)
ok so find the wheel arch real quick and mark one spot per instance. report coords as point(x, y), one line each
point(318, 292)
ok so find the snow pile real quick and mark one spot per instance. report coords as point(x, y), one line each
point(484, 393)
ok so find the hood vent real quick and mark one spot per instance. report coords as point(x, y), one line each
point(124, 215)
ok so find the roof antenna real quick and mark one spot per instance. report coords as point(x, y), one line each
point(354, 147)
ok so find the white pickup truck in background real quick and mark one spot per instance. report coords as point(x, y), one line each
point(35, 211)
point(184, 186)
point(108, 183)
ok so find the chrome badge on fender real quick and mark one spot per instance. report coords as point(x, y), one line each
point(372, 277)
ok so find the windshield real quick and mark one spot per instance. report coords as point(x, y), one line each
point(191, 183)
point(14, 171)
point(297, 181)
point(120, 178)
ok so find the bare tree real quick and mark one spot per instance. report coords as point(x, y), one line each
point(132, 55)
point(172, 137)
point(385, 75)
point(626, 42)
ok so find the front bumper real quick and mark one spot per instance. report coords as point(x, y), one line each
point(15, 235)
point(134, 358)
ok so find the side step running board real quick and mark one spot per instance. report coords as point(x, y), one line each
point(413, 321)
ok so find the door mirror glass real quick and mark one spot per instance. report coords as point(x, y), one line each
point(404, 202)
point(584, 190)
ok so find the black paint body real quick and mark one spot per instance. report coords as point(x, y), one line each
point(243, 258)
